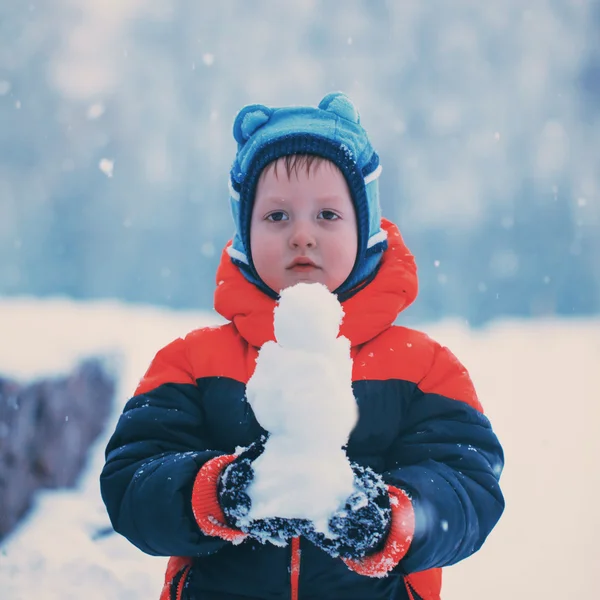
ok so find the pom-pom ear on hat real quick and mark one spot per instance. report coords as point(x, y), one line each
point(248, 120)
point(339, 104)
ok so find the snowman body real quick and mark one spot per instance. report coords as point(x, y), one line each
point(301, 393)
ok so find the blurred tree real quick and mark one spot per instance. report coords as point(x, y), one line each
point(115, 141)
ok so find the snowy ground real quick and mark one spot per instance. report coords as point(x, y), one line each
point(537, 380)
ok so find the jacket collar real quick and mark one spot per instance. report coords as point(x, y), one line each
point(369, 312)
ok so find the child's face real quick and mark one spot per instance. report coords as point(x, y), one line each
point(303, 227)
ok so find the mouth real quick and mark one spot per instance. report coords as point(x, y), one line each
point(302, 264)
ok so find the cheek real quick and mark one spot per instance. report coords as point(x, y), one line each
point(347, 259)
point(349, 247)
point(342, 255)
point(264, 249)
point(256, 240)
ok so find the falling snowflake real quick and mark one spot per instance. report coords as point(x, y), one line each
point(95, 111)
point(107, 165)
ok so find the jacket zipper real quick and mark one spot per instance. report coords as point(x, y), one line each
point(412, 593)
point(181, 584)
point(295, 568)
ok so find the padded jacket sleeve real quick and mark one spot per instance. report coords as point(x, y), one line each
point(153, 458)
point(448, 460)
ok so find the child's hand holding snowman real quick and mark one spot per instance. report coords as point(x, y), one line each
point(361, 525)
point(236, 503)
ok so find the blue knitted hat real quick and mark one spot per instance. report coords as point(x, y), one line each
point(331, 131)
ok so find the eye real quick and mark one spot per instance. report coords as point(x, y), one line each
point(329, 215)
point(277, 216)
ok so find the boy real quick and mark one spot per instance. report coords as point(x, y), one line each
point(426, 462)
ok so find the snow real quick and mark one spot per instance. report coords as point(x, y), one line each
point(59, 551)
point(106, 165)
point(301, 392)
point(88, 62)
point(208, 59)
point(95, 111)
point(538, 381)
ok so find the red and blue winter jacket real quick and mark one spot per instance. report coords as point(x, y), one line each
point(420, 426)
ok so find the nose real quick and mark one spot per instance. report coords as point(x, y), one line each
point(302, 236)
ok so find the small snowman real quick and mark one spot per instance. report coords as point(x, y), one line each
point(301, 393)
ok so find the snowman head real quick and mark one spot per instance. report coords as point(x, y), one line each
point(308, 317)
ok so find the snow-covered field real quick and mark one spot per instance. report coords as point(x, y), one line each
point(538, 381)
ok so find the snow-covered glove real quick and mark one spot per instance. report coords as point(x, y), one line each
point(236, 503)
point(362, 525)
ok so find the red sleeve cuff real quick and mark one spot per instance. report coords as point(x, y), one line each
point(398, 541)
point(205, 503)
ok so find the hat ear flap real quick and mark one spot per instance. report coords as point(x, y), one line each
point(248, 120)
point(339, 104)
